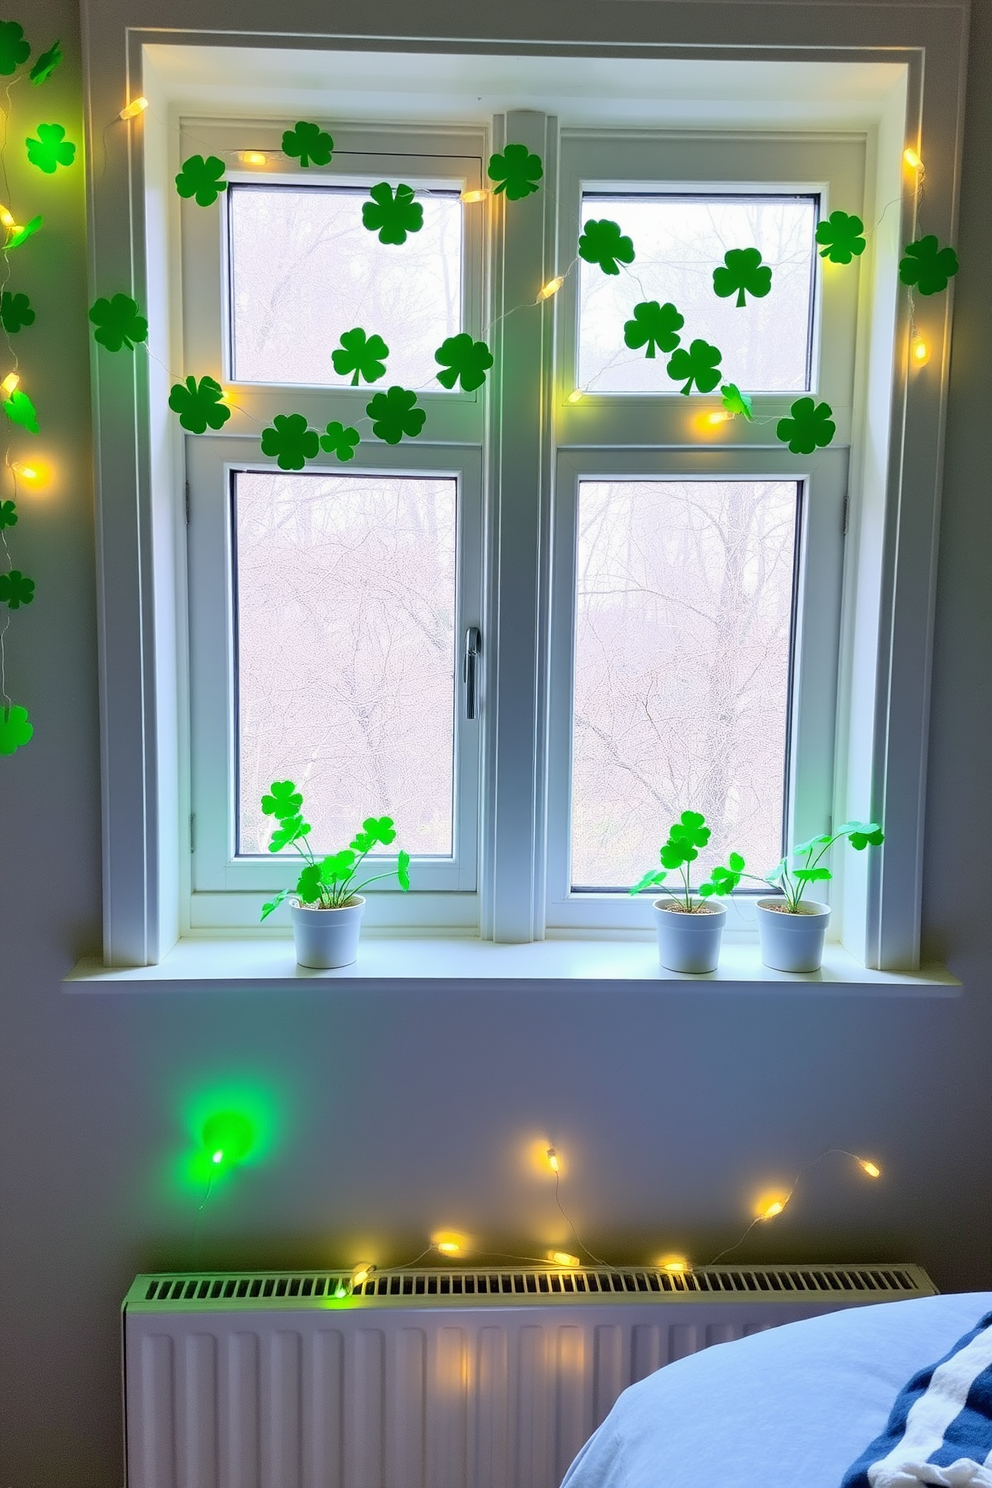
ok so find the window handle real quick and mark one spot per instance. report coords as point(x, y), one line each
point(470, 670)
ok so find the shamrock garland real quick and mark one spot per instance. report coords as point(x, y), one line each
point(340, 441)
point(51, 149)
point(742, 273)
point(13, 48)
point(309, 144)
point(15, 312)
point(16, 589)
point(464, 359)
point(392, 215)
point(928, 266)
point(22, 234)
point(362, 355)
point(516, 170)
point(20, 410)
point(809, 428)
point(394, 413)
point(653, 326)
point(117, 322)
point(201, 179)
point(46, 64)
point(842, 237)
point(291, 440)
point(15, 728)
point(736, 403)
point(199, 404)
point(699, 364)
point(603, 243)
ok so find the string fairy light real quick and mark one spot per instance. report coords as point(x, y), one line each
point(10, 384)
point(919, 350)
point(547, 291)
point(912, 159)
point(477, 195)
point(133, 109)
point(254, 157)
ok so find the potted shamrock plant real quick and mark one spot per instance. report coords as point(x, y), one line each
point(327, 914)
point(689, 926)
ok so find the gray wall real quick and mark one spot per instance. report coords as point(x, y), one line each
point(391, 1115)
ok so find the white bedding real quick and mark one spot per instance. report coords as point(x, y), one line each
point(790, 1408)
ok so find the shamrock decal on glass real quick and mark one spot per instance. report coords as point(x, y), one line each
point(465, 359)
point(199, 404)
point(8, 514)
point(290, 439)
point(23, 233)
point(20, 410)
point(736, 403)
point(13, 48)
point(46, 64)
point(363, 355)
point(118, 323)
point(516, 170)
point(810, 427)
point(392, 216)
point(841, 237)
point(282, 800)
point(201, 179)
point(51, 149)
point(15, 728)
point(742, 273)
point(699, 365)
point(15, 312)
point(309, 144)
point(394, 413)
point(653, 326)
point(340, 441)
point(603, 243)
point(927, 265)
point(16, 589)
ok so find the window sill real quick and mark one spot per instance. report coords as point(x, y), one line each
point(404, 963)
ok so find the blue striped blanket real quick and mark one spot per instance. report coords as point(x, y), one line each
point(940, 1428)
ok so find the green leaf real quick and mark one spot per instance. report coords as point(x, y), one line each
point(273, 903)
point(517, 171)
point(23, 233)
point(381, 829)
point(653, 326)
point(394, 413)
point(46, 64)
point(308, 885)
point(15, 728)
point(697, 365)
point(362, 355)
point(736, 403)
point(337, 867)
point(202, 179)
point(20, 410)
point(841, 237)
point(291, 440)
point(676, 852)
point(15, 312)
point(340, 441)
point(650, 880)
point(391, 215)
point(464, 359)
point(603, 243)
point(736, 862)
point(810, 844)
point(118, 323)
point(8, 515)
point(16, 589)
point(199, 405)
point(403, 870)
point(868, 834)
point(927, 265)
point(282, 800)
point(812, 875)
point(309, 144)
point(810, 427)
point(742, 273)
point(289, 831)
point(51, 149)
point(13, 48)
point(777, 872)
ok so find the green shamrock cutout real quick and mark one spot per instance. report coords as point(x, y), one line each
point(309, 144)
point(20, 410)
point(291, 441)
point(809, 428)
point(16, 589)
point(118, 323)
point(394, 413)
point(46, 64)
point(23, 233)
point(15, 312)
point(841, 236)
point(201, 179)
point(199, 405)
point(362, 354)
point(340, 441)
point(8, 514)
point(465, 359)
point(699, 364)
point(15, 728)
point(603, 243)
point(392, 217)
point(927, 265)
point(51, 149)
point(736, 403)
point(516, 171)
point(742, 273)
point(653, 326)
point(283, 800)
point(13, 48)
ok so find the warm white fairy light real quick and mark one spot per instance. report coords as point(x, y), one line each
point(133, 109)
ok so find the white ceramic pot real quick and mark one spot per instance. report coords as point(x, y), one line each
point(792, 942)
point(689, 942)
point(327, 937)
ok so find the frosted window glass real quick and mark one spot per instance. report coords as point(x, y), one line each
point(304, 268)
point(678, 242)
point(345, 610)
point(683, 628)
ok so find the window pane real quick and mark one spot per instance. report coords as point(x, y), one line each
point(304, 269)
point(682, 644)
point(678, 241)
point(345, 606)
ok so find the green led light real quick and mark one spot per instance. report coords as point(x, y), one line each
point(228, 1136)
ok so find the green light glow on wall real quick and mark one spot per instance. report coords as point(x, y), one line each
point(230, 1125)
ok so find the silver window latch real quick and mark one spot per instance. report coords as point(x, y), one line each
point(470, 670)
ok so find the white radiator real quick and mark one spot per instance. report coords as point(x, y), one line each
point(426, 1379)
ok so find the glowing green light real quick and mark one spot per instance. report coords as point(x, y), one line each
point(228, 1136)
point(340, 1291)
point(218, 1157)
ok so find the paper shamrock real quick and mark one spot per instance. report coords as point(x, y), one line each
point(698, 364)
point(51, 149)
point(340, 441)
point(742, 273)
point(16, 589)
point(809, 428)
point(392, 217)
point(841, 237)
point(199, 405)
point(362, 355)
point(516, 171)
point(15, 312)
point(291, 441)
point(22, 234)
point(13, 48)
point(8, 514)
point(394, 413)
point(20, 410)
point(603, 243)
point(653, 326)
point(46, 64)
point(736, 403)
point(927, 265)
point(15, 728)
point(201, 179)
point(118, 323)
point(309, 144)
point(465, 359)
